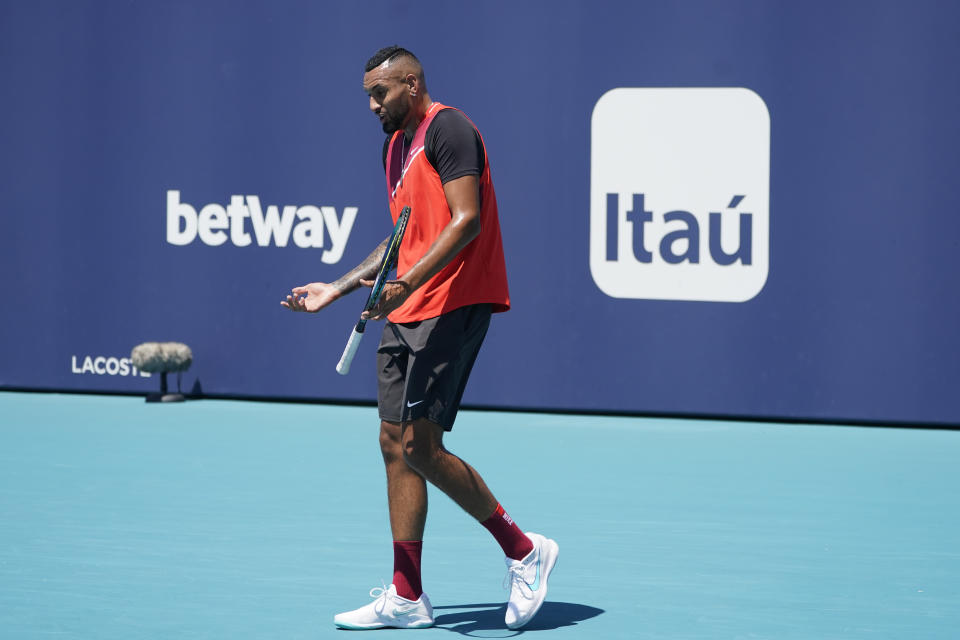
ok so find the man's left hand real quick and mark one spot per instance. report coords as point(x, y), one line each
point(394, 294)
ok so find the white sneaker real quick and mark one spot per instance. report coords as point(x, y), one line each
point(388, 610)
point(528, 580)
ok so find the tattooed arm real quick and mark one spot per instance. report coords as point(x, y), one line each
point(317, 295)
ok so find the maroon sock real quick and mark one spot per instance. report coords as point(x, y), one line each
point(406, 568)
point(515, 543)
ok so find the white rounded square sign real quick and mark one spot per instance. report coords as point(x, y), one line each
point(679, 194)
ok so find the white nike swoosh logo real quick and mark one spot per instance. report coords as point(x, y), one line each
point(413, 404)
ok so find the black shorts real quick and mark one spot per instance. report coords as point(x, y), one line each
point(422, 367)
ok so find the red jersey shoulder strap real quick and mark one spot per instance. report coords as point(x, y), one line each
point(399, 158)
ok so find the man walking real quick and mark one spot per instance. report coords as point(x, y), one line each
point(451, 278)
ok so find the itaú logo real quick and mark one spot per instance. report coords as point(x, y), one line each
point(679, 194)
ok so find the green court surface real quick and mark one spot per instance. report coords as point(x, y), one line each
point(228, 519)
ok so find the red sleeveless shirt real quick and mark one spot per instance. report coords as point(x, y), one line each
point(478, 273)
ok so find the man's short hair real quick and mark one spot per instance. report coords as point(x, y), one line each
point(388, 53)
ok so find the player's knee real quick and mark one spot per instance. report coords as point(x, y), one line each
point(390, 442)
point(420, 454)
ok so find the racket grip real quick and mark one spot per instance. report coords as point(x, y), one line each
point(343, 367)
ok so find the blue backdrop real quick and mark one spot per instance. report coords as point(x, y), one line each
point(111, 107)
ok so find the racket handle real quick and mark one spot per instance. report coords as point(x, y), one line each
point(343, 367)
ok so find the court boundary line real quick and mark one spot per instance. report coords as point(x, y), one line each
point(767, 419)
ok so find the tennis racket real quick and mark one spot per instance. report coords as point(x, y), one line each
point(386, 265)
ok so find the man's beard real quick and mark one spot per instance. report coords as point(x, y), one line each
point(394, 122)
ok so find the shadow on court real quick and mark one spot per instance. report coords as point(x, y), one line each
point(489, 617)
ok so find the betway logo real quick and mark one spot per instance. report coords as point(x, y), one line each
point(307, 226)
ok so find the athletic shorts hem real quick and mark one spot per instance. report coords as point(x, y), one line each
point(435, 419)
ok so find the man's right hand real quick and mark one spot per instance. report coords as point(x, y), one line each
point(311, 297)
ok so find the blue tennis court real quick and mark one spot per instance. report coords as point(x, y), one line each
point(230, 519)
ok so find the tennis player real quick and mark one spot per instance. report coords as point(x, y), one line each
point(452, 277)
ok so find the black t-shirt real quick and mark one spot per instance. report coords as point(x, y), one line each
point(452, 145)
